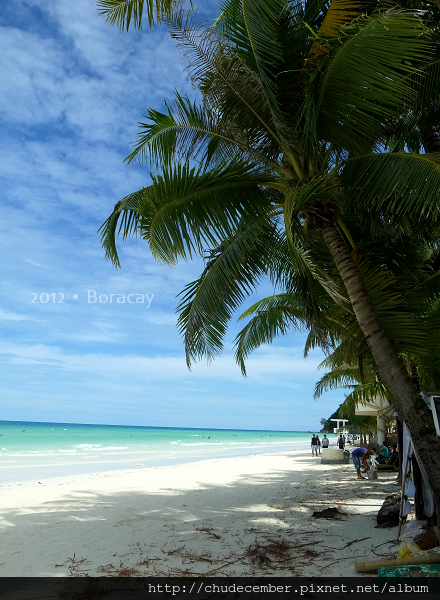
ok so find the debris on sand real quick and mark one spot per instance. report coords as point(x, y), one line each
point(426, 540)
point(388, 515)
point(327, 513)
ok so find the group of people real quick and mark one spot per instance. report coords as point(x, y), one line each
point(316, 444)
point(343, 440)
point(359, 455)
point(388, 454)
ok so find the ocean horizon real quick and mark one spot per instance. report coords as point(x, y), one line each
point(33, 449)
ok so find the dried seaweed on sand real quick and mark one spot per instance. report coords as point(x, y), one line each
point(328, 513)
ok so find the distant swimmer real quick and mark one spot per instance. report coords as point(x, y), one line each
point(23, 430)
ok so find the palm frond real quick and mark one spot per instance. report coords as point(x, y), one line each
point(122, 12)
point(351, 346)
point(186, 210)
point(364, 394)
point(231, 24)
point(312, 342)
point(262, 20)
point(429, 366)
point(216, 68)
point(339, 13)
point(426, 82)
point(232, 271)
point(126, 214)
point(429, 289)
point(363, 423)
point(188, 132)
point(345, 376)
point(322, 190)
point(315, 339)
point(274, 315)
point(365, 78)
point(403, 326)
point(395, 185)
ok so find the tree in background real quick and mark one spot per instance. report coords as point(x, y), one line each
point(327, 424)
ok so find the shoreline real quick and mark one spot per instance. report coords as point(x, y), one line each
point(245, 516)
point(20, 473)
point(49, 449)
point(23, 474)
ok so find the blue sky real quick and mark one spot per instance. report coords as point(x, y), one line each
point(72, 92)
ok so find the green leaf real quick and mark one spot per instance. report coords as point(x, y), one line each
point(403, 326)
point(319, 190)
point(365, 78)
point(187, 132)
point(122, 12)
point(232, 272)
point(231, 24)
point(364, 394)
point(226, 82)
point(345, 376)
point(428, 291)
point(275, 315)
point(395, 185)
point(186, 211)
point(126, 214)
point(339, 13)
point(262, 21)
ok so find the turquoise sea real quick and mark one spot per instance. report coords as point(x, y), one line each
point(31, 450)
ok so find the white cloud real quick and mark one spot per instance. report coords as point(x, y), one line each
point(11, 316)
point(73, 90)
point(35, 264)
point(269, 363)
point(29, 93)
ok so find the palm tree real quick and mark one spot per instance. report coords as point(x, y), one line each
point(349, 364)
point(402, 290)
point(300, 102)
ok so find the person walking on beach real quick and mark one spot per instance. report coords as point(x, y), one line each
point(325, 442)
point(341, 442)
point(319, 443)
point(314, 443)
point(360, 455)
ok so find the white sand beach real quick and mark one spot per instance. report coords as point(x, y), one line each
point(236, 516)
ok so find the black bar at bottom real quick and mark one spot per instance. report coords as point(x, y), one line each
point(221, 588)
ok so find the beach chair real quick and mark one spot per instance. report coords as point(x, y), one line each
point(389, 466)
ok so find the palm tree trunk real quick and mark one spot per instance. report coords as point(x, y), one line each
point(361, 368)
point(410, 406)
